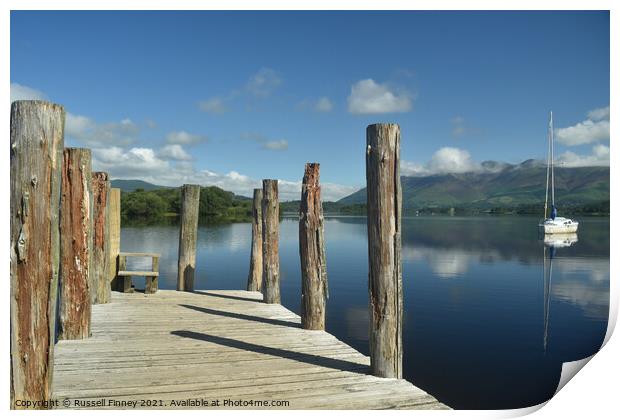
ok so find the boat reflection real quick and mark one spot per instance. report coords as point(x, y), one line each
point(553, 242)
point(560, 240)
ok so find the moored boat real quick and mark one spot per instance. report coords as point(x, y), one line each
point(554, 224)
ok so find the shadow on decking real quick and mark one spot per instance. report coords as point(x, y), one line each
point(243, 316)
point(287, 354)
point(227, 296)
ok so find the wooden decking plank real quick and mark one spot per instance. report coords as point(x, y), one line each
point(217, 345)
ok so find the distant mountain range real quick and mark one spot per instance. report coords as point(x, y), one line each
point(500, 185)
point(129, 185)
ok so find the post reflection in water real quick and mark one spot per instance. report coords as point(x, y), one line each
point(472, 296)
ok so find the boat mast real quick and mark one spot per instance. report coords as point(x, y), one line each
point(552, 178)
point(548, 164)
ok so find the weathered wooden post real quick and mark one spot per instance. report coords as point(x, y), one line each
point(114, 229)
point(270, 208)
point(384, 249)
point(255, 277)
point(36, 158)
point(100, 267)
point(190, 201)
point(76, 241)
point(312, 251)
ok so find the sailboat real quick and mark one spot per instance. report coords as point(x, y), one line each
point(554, 224)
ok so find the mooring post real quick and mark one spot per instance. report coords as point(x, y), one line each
point(384, 249)
point(35, 171)
point(114, 229)
point(190, 201)
point(100, 267)
point(255, 277)
point(312, 251)
point(76, 242)
point(270, 208)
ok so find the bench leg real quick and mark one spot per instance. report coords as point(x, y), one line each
point(125, 284)
point(151, 285)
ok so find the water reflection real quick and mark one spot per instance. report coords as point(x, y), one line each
point(552, 242)
point(474, 333)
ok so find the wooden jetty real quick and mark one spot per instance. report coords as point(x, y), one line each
point(186, 348)
point(218, 345)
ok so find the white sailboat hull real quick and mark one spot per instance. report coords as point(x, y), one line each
point(559, 225)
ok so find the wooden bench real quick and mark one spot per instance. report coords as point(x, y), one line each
point(124, 276)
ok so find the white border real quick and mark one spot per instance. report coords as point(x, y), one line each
point(593, 394)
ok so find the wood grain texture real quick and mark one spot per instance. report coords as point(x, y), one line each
point(270, 208)
point(190, 200)
point(385, 288)
point(255, 276)
point(76, 242)
point(114, 229)
point(312, 251)
point(152, 281)
point(36, 158)
point(100, 267)
point(220, 345)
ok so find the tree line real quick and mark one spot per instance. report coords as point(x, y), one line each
point(164, 206)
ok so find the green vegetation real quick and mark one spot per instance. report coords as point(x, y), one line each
point(329, 207)
point(130, 185)
point(163, 206)
point(515, 188)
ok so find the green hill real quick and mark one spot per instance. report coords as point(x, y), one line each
point(512, 186)
point(128, 185)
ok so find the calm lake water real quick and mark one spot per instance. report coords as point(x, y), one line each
point(485, 325)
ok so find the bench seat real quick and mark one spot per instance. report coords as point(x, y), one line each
point(139, 273)
point(123, 276)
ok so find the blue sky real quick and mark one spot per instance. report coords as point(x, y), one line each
point(230, 98)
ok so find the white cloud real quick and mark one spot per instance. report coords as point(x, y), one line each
point(452, 159)
point(585, 132)
point(145, 164)
point(599, 157)
point(265, 142)
point(86, 131)
point(215, 105)
point(594, 129)
point(408, 168)
point(276, 145)
point(369, 97)
point(21, 93)
point(264, 82)
point(83, 129)
point(261, 85)
point(324, 105)
point(444, 160)
point(183, 137)
point(132, 163)
point(599, 114)
point(174, 152)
